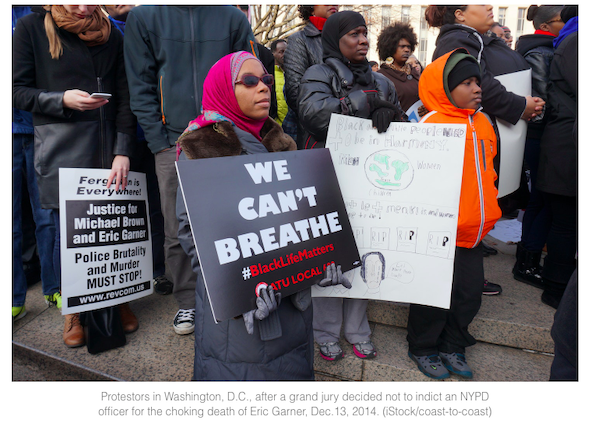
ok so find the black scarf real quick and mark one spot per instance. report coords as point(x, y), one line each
point(337, 26)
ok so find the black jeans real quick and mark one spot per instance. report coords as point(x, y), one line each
point(562, 241)
point(537, 218)
point(432, 329)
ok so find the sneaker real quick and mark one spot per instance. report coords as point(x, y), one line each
point(431, 366)
point(54, 300)
point(490, 288)
point(18, 313)
point(330, 351)
point(184, 322)
point(456, 363)
point(364, 350)
point(162, 285)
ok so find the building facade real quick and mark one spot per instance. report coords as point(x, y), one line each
point(380, 16)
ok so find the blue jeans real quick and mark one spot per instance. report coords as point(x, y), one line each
point(23, 172)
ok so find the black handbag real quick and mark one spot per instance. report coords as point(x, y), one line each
point(103, 329)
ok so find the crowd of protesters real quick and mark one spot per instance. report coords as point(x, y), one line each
point(191, 82)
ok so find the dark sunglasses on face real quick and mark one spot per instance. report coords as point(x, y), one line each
point(250, 80)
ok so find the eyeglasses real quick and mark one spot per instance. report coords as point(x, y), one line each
point(553, 20)
point(250, 80)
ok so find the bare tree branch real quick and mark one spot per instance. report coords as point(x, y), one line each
point(272, 22)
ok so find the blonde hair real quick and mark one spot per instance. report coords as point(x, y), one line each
point(55, 43)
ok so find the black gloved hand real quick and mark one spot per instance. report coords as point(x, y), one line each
point(382, 112)
point(334, 276)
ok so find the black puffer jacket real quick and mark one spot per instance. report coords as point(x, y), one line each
point(329, 88)
point(495, 58)
point(225, 351)
point(537, 49)
point(558, 165)
point(65, 138)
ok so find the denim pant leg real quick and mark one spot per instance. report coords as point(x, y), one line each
point(57, 266)
point(44, 226)
point(19, 282)
point(177, 261)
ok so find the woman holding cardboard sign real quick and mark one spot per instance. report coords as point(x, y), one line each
point(62, 54)
point(344, 84)
point(273, 341)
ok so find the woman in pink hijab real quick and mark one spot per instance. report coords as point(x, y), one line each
point(273, 342)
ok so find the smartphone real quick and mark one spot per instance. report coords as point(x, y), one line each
point(100, 95)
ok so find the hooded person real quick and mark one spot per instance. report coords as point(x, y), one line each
point(449, 89)
point(274, 341)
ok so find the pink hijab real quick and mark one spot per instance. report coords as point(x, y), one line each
point(219, 102)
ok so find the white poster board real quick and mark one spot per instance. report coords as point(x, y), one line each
point(512, 137)
point(401, 189)
point(105, 241)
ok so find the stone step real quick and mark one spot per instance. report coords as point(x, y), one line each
point(153, 353)
point(516, 318)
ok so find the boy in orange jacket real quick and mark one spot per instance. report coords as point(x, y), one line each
point(449, 89)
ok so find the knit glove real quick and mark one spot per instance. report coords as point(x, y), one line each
point(334, 276)
point(383, 113)
point(268, 301)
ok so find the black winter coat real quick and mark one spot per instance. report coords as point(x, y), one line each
point(495, 58)
point(304, 50)
point(225, 351)
point(558, 164)
point(538, 51)
point(329, 88)
point(65, 138)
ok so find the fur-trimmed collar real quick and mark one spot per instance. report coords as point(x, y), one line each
point(220, 139)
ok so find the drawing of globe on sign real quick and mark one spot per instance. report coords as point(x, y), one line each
point(389, 170)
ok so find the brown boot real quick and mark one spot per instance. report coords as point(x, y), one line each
point(73, 331)
point(128, 319)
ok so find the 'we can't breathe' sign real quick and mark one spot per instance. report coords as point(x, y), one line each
point(277, 218)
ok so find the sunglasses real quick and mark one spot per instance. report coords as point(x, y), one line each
point(250, 80)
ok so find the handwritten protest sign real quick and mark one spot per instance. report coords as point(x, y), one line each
point(277, 218)
point(106, 251)
point(401, 190)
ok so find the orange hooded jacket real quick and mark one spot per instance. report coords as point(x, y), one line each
point(479, 209)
